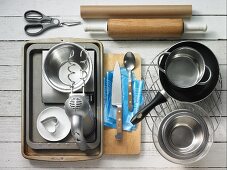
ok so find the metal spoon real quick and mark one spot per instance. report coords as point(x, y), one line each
point(129, 63)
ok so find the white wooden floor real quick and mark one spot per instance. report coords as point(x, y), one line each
point(12, 37)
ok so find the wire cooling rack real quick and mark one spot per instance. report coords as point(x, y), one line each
point(211, 104)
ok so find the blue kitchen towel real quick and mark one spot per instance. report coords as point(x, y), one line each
point(110, 111)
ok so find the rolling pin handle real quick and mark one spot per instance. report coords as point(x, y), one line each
point(96, 27)
point(194, 27)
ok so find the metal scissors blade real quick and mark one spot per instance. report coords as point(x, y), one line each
point(71, 23)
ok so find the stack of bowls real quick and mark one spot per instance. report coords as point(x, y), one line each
point(185, 135)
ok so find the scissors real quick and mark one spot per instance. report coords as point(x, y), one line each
point(39, 23)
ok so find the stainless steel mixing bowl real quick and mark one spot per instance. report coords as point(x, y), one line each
point(184, 135)
point(55, 67)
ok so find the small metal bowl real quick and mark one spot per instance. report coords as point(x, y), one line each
point(56, 65)
point(184, 135)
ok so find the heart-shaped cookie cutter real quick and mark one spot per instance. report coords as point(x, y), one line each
point(51, 124)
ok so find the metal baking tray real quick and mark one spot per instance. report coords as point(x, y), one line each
point(35, 103)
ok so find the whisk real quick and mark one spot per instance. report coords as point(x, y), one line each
point(83, 71)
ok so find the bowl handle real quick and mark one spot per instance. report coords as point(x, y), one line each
point(208, 79)
point(159, 59)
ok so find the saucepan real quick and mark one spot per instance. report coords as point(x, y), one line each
point(192, 94)
point(185, 67)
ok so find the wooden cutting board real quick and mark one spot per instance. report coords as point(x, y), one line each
point(130, 145)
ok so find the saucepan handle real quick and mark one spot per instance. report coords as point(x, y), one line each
point(159, 98)
point(159, 59)
point(208, 78)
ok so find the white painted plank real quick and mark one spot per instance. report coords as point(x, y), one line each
point(10, 103)
point(10, 129)
point(131, 168)
point(10, 77)
point(149, 158)
point(10, 51)
point(13, 132)
point(12, 28)
point(149, 49)
point(70, 7)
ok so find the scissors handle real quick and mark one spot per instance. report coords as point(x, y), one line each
point(36, 16)
point(39, 28)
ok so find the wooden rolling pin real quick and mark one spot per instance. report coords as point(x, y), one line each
point(145, 28)
point(135, 11)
